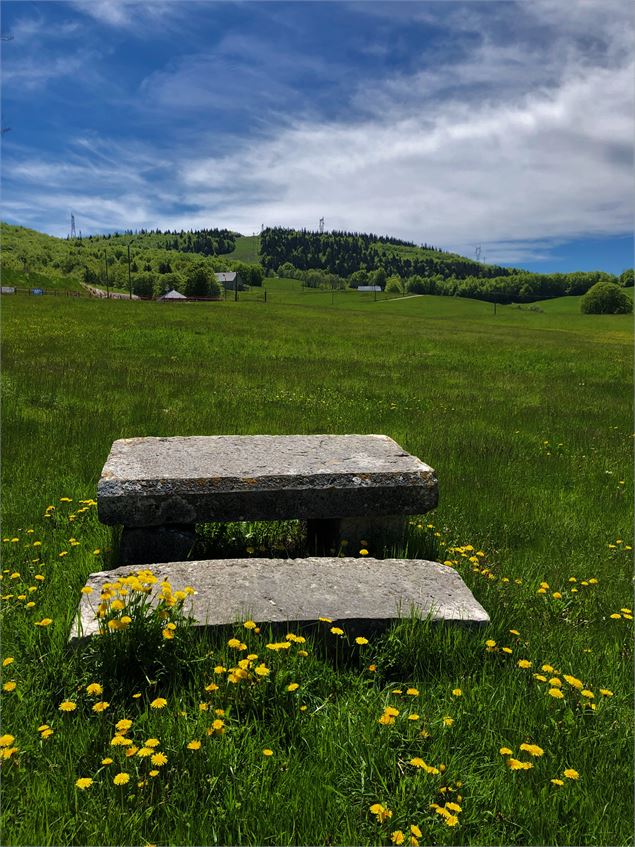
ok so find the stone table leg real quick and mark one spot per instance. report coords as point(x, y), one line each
point(329, 536)
point(147, 545)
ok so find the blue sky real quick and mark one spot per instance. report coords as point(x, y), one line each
point(500, 123)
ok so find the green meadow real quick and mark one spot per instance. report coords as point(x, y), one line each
point(527, 417)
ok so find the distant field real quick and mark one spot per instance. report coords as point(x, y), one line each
point(247, 249)
point(527, 418)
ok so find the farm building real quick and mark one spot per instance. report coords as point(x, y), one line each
point(173, 295)
point(231, 280)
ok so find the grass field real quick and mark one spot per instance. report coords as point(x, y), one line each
point(247, 249)
point(526, 417)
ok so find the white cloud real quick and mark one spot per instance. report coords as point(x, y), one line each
point(555, 164)
point(514, 149)
point(126, 13)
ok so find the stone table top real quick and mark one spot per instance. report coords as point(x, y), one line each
point(153, 481)
point(357, 593)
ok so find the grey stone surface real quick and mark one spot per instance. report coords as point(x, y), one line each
point(154, 481)
point(360, 593)
point(142, 545)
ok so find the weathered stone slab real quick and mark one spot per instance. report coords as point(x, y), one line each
point(359, 592)
point(154, 481)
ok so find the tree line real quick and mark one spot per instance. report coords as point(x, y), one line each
point(344, 253)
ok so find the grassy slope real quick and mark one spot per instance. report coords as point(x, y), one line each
point(527, 419)
point(247, 249)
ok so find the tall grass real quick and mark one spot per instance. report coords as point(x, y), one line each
point(526, 418)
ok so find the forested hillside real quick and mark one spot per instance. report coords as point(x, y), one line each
point(343, 253)
point(186, 261)
point(156, 264)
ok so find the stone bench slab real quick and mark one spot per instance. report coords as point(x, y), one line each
point(156, 481)
point(358, 592)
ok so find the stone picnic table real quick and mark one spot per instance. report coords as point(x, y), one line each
point(347, 488)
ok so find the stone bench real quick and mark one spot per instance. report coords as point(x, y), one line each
point(347, 487)
point(360, 595)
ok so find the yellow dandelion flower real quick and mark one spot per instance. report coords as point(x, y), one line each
point(250, 624)
point(293, 686)
point(46, 733)
point(412, 692)
point(413, 717)
point(381, 812)
point(151, 742)
point(490, 643)
point(558, 781)
point(605, 692)
point(267, 752)
point(507, 650)
point(101, 706)
point(588, 694)
point(363, 552)
point(451, 820)
point(131, 750)
point(67, 706)
point(336, 630)
point(390, 710)
point(158, 703)
point(325, 620)
point(153, 773)
point(524, 663)
point(8, 661)
point(7, 752)
point(397, 837)
point(570, 773)
point(516, 765)
point(539, 677)
point(107, 761)
point(514, 632)
point(505, 751)
point(6, 740)
point(44, 622)
point(457, 692)
point(143, 752)
point(532, 749)
point(83, 782)
point(361, 641)
point(448, 721)
point(573, 681)
point(194, 745)
point(615, 616)
point(94, 688)
point(122, 779)
point(555, 692)
point(159, 759)
point(9, 686)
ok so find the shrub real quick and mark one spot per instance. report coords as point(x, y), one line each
point(606, 298)
point(627, 279)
